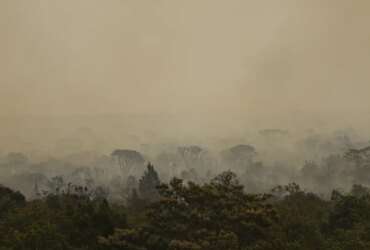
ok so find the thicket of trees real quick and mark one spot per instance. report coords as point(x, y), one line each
point(186, 201)
point(215, 215)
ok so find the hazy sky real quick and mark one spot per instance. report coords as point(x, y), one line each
point(267, 59)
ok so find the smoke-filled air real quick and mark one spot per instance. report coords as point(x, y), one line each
point(184, 125)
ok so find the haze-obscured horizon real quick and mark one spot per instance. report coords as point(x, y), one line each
point(181, 69)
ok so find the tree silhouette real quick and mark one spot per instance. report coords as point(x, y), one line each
point(148, 184)
point(128, 159)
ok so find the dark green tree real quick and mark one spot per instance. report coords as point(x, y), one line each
point(217, 215)
point(10, 200)
point(148, 184)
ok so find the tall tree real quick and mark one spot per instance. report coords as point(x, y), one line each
point(148, 184)
point(128, 159)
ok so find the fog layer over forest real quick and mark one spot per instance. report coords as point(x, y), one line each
point(184, 125)
point(37, 162)
point(276, 91)
point(287, 80)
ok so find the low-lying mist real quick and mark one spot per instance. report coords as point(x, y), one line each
point(114, 151)
point(92, 91)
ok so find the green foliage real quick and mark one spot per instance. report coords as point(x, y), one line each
point(127, 239)
point(218, 215)
point(301, 216)
point(59, 222)
point(10, 200)
point(215, 215)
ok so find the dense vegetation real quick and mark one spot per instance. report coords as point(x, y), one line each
point(217, 214)
point(190, 199)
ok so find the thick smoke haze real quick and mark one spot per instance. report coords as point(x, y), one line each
point(181, 69)
point(185, 124)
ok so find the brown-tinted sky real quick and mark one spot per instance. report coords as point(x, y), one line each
point(268, 60)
